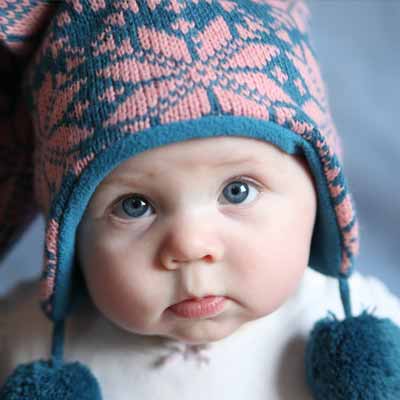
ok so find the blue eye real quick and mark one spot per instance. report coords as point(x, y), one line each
point(236, 191)
point(136, 206)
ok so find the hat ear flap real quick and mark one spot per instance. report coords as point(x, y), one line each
point(21, 26)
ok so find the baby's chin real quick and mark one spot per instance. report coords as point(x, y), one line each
point(203, 331)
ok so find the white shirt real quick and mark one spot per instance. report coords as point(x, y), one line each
point(264, 359)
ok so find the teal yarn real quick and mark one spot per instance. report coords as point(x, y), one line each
point(42, 380)
point(357, 358)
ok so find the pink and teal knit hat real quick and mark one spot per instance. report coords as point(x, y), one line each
point(107, 80)
point(115, 78)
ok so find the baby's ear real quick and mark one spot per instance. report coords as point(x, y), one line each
point(20, 30)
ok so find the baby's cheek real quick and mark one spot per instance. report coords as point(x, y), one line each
point(266, 275)
point(125, 294)
point(124, 302)
point(266, 291)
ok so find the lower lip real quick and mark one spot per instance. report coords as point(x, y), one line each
point(205, 307)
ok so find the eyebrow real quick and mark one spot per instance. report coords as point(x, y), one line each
point(138, 175)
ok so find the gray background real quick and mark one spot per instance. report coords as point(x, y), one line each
point(358, 44)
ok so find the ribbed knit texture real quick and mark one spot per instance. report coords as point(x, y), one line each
point(113, 78)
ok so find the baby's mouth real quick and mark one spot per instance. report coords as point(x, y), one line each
point(194, 308)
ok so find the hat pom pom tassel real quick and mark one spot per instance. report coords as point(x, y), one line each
point(52, 379)
point(41, 380)
point(357, 358)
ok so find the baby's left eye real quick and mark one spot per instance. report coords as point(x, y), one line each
point(136, 205)
point(238, 191)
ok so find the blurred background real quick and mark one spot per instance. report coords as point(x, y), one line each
point(358, 45)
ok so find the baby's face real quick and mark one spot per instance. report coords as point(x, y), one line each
point(224, 216)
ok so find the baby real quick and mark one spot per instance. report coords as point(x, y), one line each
point(218, 220)
point(149, 118)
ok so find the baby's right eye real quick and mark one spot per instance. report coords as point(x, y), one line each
point(134, 206)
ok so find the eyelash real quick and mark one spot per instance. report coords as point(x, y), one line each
point(140, 196)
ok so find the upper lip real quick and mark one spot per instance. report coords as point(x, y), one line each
point(195, 297)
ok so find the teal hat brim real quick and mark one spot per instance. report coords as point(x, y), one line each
point(326, 250)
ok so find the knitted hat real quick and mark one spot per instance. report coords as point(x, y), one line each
point(111, 79)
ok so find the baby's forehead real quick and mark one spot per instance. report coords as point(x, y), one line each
point(208, 153)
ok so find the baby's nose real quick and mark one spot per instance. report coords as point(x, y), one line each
point(195, 243)
point(177, 255)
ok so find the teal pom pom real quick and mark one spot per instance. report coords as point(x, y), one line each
point(357, 358)
point(41, 380)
